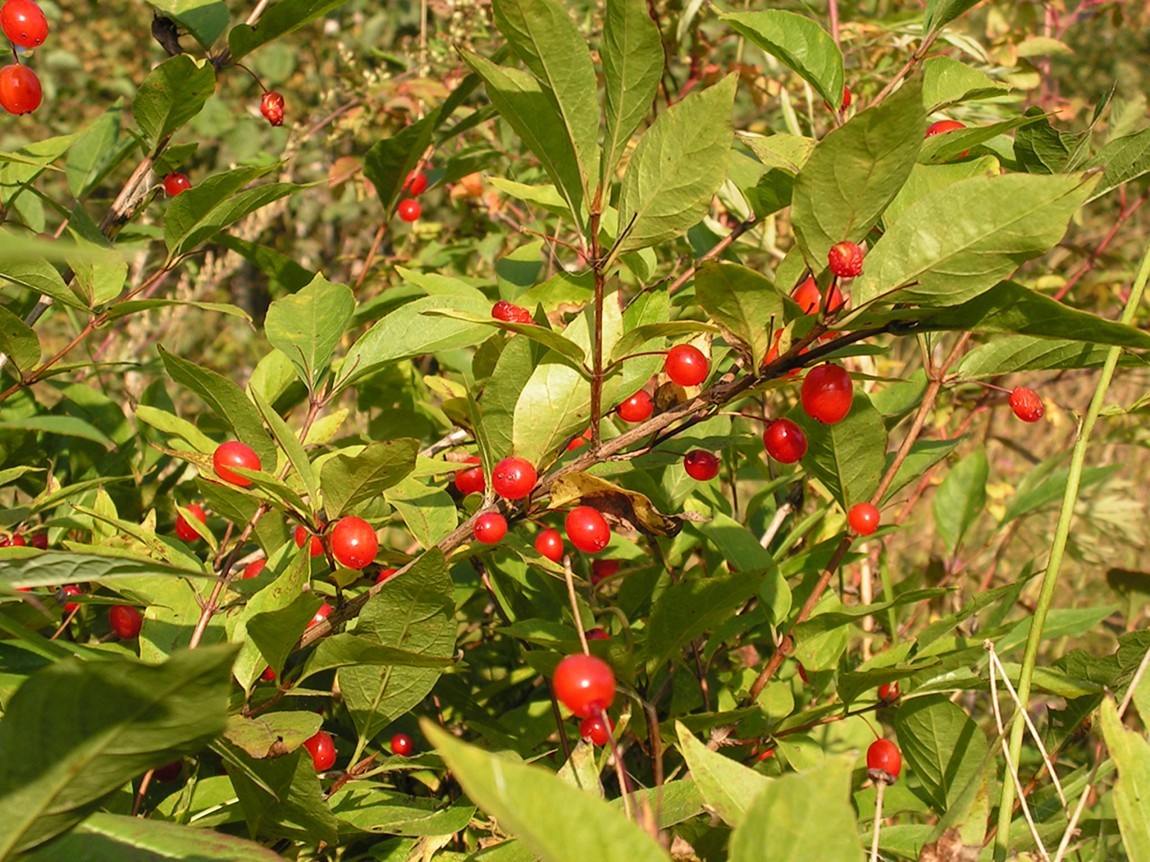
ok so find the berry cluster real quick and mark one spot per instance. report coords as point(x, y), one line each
point(409, 209)
point(25, 26)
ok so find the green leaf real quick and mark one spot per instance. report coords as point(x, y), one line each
point(542, 34)
point(281, 18)
point(19, 247)
point(1132, 756)
point(40, 276)
point(947, 82)
point(549, 338)
point(76, 732)
point(925, 180)
point(1040, 148)
point(676, 168)
point(289, 442)
point(67, 426)
point(727, 786)
point(307, 326)
point(18, 341)
point(1027, 353)
point(49, 568)
point(293, 567)
point(923, 455)
point(273, 733)
point(351, 479)
point(135, 306)
point(193, 220)
point(542, 810)
point(414, 614)
point(954, 244)
point(1123, 160)
point(854, 172)
point(389, 161)
point(278, 267)
point(743, 302)
point(741, 549)
point(374, 809)
point(347, 649)
point(632, 55)
point(281, 796)
point(847, 457)
point(799, 812)
point(961, 498)
point(693, 606)
point(939, 13)
point(206, 20)
point(428, 511)
point(172, 94)
point(798, 42)
point(1045, 484)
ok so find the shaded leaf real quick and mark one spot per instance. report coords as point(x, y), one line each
point(800, 43)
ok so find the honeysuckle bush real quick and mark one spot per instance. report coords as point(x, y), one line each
point(636, 177)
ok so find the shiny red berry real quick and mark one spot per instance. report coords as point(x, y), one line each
point(701, 465)
point(20, 91)
point(827, 393)
point(845, 260)
point(402, 745)
point(185, 530)
point(883, 761)
point(176, 183)
point(889, 692)
point(509, 312)
point(584, 684)
point(810, 299)
point(637, 408)
point(71, 591)
point(944, 126)
point(416, 183)
point(1026, 404)
point(596, 730)
point(353, 542)
point(863, 518)
point(686, 365)
point(23, 23)
point(846, 102)
point(268, 675)
point(125, 621)
point(322, 614)
point(272, 107)
point(785, 441)
point(315, 548)
point(321, 747)
point(470, 480)
point(597, 634)
point(235, 454)
point(409, 210)
point(385, 575)
point(490, 528)
point(581, 440)
point(513, 478)
point(253, 569)
point(549, 543)
point(603, 569)
point(587, 529)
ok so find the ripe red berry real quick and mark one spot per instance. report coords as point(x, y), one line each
point(701, 465)
point(810, 298)
point(587, 529)
point(40, 540)
point(315, 549)
point(883, 761)
point(603, 569)
point(584, 684)
point(272, 107)
point(785, 441)
point(637, 408)
point(846, 103)
point(176, 183)
point(402, 745)
point(470, 480)
point(509, 312)
point(322, 614)
point(385, 575)
point(353, 542)
point(20, 91)
point(416, 183)
point(235, 454)
point(513, 478)
point(185, 530)
point(16, 541)
point(1026, 404)
point(322, 750)
point(490, 528)
point(409, 210)
point(24, 23)
point(71, 590)
point(596, 730)
point(889, 692)
point(549, 543)
point(686, 365)
point(597, 634)
point(944, 126)
point(863, 518)
point(827, 393)
point(125, 621)
point(581, 440)
point(845, 260)
point(268, 675)
point(253, 569)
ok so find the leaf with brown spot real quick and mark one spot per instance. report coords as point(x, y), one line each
point(617, 504)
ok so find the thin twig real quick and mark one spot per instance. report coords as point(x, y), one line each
point(880, 787)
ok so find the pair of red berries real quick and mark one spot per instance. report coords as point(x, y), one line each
point(409, 209)
point(512, 478)
point(24, 24)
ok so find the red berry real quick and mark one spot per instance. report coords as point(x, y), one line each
point(785, 441)
point(883, 761)
point(125, 621)
point(637, 408)
point(40, 540)
point(268, 675)
point(20, 91)
point(402, 745)
point(827, 393)
point(766, 755)
point(846, 103)
point(315, 549)
point(416, 183)
point(385, 575)
point(253, 569)
point(549, 543)
point(686, 365)
point(71, 590)
point(322, 614)
point(889, 692)
point(322, 750)
point(17, 541)
point(863, 518)
point(176, 183)
point(810, 298)
point(513, 478)
point(508, 312)
point(581, 440)
point(490, 528)
point(587, 529)
point(701, 465)
point(1026, 404)
point(944, 126)
point(409, 210)
point(603, 569)
point(353, 542)
point(470, 481)
point(803, 674)
point(845, 260)
point(584, 684)
point(272, 107)
point(24, 23)
point(235, 454)
point(596, 730)
point(597, 634)
point(185, 530)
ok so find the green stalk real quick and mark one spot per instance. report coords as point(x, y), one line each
point(1057, 549)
